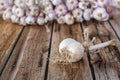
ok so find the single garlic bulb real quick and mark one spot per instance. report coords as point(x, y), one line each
point(30, 20)
point(69, 19)
point(40, 20)
point(71, 4)
point(19, 12)
point(34, 10)
point(87, 14)
point(82, 5)
point(74, 50)
point(116, 3)
point(19, 3)
point(61, 20)
point(14, 19)
point(7, 14)
point(100, 14)
point(56, 2)
point(30, 2)
point(22, 21)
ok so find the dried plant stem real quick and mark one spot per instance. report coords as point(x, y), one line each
point(47, 28)
point(102, 45)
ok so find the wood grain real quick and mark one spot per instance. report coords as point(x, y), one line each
point(28, 61)
point(8, 35)
point(109, 68)
point(74, 71)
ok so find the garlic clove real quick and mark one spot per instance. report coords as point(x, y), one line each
point(30, 20)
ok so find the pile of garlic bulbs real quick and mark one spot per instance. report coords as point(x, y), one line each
point(40, 12)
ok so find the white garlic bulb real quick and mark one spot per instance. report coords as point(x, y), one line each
point(19, 12)
point(69, 19)
point(14, 19)
point(100, 14)
point(116, 3)
point(87, 14)
point(19, 3)
point(22, 21)
point(82, 5)
point(7, 14)
point(40, 20)
point(61, 20)
point(30, 2)
point(34, 10)
point(30, 20)
point(56, 2)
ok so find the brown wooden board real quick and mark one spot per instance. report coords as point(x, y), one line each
point(9, 33)
point(74, 71)
point(28, 61)
point(109, 67)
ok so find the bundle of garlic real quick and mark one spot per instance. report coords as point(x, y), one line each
point(40, 12)
point(73, 51)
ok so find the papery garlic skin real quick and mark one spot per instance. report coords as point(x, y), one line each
point(76, 51)
point(65, 43)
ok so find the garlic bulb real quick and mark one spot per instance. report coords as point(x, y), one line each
point(69, 19)
point(30, 20)
point(34, 10)
point(100, 14)
point(29, 2)
point(40, 21)
point(22, 21)
point(7, 14)
point(116, 3)
point(61, 20)
point(71, 4)
point(61, 10)
point(19, 3)
point(74, 50)
point(19, 12)
point(14, 19)
point(82, 5)
point(56, 2)
point(87, 14)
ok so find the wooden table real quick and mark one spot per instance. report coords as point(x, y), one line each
point(25, 52)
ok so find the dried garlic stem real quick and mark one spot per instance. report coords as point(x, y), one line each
point(102, 45)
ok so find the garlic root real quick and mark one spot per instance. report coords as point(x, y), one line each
point(47, 28)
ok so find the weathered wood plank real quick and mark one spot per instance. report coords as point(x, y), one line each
point(28, 61)
point(75, 71)
point(9, 34)
point(115, 24)
point(109, 68)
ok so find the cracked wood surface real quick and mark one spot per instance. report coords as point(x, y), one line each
point(32, 50)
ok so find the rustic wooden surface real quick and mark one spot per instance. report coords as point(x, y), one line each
point(26, 52)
